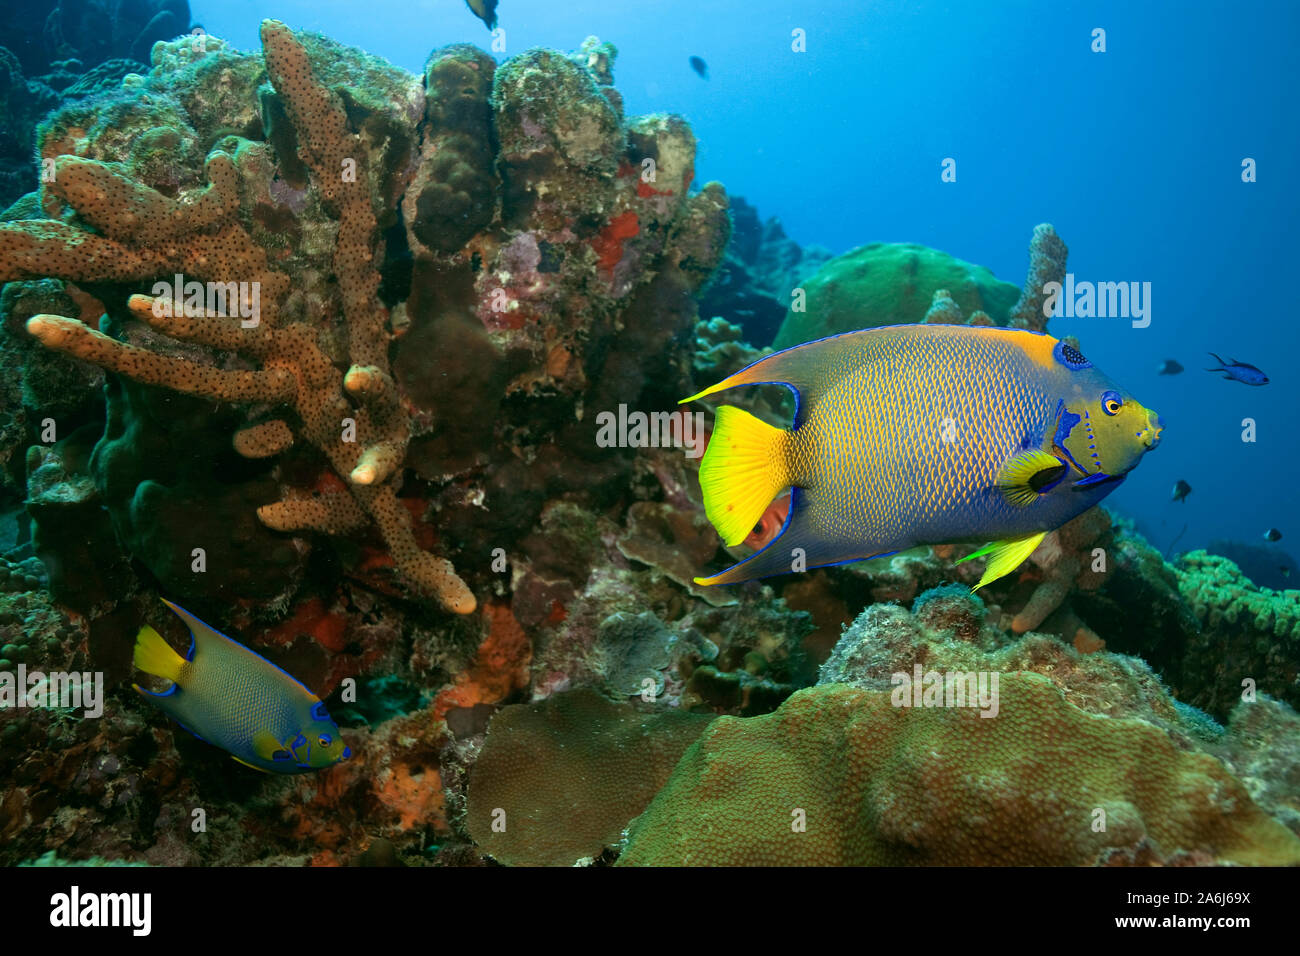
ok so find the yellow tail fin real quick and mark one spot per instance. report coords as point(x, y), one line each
point(745, 468)
point(154, 656)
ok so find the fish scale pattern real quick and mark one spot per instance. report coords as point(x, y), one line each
point(253, 689)
point(912, 431)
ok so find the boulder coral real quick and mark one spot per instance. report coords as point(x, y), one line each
point(1084, 759)
point(902, 283)
point(840, 776)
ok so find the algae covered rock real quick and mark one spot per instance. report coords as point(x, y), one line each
point(890, 283)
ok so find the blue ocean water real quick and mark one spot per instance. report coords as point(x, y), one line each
point(1134, 154)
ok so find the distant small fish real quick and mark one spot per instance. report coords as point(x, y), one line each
point(226, 695)
point(1286, 571)
point(1239, 372)
point(1169, 367)
point(700, 67)
point(1272, 534)
point(1181, 490)
point(485, 10)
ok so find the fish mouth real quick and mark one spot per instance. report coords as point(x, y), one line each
point(1150, 436)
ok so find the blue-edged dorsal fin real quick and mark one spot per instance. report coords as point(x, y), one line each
point(807, 370)
point(202, 634)
point(810, 369)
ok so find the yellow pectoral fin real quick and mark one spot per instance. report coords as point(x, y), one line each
point(266, 746)
point(247, 764)
point(1005, 556)
point(1026, 476)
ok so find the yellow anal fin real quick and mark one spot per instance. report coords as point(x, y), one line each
point(155, 656)
point(249, 765)
point(744, 469)
point(1005, 556)
point(1026, 476)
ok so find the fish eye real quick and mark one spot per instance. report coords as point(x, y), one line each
point(1111, 403)
point(323, 740)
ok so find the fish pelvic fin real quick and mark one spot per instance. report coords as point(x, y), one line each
point(1005, 556)
point(155, 656)
point(745, 467)
point(249, 765)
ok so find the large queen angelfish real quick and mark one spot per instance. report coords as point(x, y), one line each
point(920, 434)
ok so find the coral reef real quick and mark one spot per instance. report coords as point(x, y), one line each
point(1262, 747)
point(559, 134)
point(143, 233)
point(839, 776)
point(1212, 634)
point(481, 258)
point(319, 348)
point(1047, 256)
point(1248, 636)
point(1086, 760)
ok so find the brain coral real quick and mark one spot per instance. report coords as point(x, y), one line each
point(885, 785)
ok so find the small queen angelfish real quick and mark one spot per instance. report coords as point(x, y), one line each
point(920, 434)
point(226, 695)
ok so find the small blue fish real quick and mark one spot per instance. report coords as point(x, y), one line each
point(700, 67)
point(1169, 367)
point(1239, 372)
point(226, 695)
point(1181, 490)
point(1272, 534)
